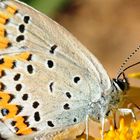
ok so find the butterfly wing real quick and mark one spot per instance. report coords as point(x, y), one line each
point(45, 33)
point(47, 77)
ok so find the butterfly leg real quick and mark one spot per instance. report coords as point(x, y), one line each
point(87, 126)
point(126, 111)
point(102, 132)
point(114, 120)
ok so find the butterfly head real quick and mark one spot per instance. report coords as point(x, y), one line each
point(122, 83)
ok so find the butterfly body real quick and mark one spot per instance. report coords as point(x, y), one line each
point(49, 81)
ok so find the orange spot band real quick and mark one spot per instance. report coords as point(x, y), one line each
point(4, 98)
point(11, 9)
point(23, 128)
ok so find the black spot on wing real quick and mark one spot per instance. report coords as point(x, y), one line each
point(19, 134)
point(26, 19)
point(13, 123)
point(25, 97)
point(2, 86)
point(27, 123)
point(2, 74)
point(66, 106)
point(11, 97)
point(76, 79)
point(50, 63)
point(35, 104)
point(25, 120)
point(68, 95)
point(18, 87)
point(34, 129)
point(30, 69)
point(14, 65)
point(37, 116)
point(19, 109)
point(1, 60)
point(30, 57)
point(17, 77)
point(51, 86)
point(53, 48)
point(4, 112)
point(21, 28)
point(20, 38)
point(75, 120)
point(50, 123)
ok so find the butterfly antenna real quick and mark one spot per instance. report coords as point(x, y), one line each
point(122, 69)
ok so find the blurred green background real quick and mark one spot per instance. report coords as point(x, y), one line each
point(49, 7)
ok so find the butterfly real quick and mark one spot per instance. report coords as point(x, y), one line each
point(48, 80)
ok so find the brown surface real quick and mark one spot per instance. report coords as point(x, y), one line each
point(110, 29)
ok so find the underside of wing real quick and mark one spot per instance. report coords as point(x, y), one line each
point(47, 77)
point(35, 29)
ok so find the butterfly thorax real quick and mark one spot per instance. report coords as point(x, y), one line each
point(109, 101)
point(119, 88)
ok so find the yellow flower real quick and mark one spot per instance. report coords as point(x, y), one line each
point(134, 75)
point(124, 132)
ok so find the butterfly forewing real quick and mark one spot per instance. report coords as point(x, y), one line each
point(48, 78)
